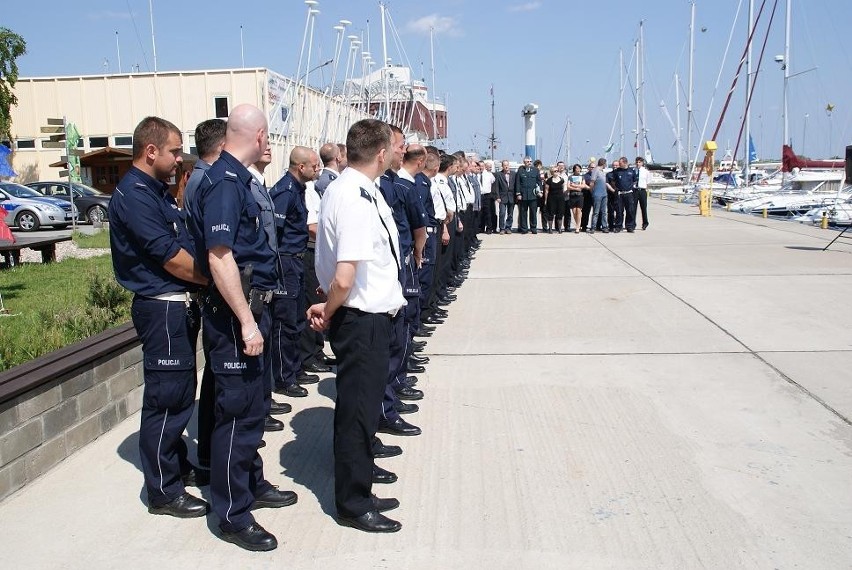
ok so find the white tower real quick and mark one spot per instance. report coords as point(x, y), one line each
point(529, 112)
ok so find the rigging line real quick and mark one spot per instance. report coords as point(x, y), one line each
point(397, 40)
point(718, 80)
point(738, 72)
point(138, 39)
point(619, 109)
point(754, 82)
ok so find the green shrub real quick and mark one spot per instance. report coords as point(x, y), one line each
point(54, 305)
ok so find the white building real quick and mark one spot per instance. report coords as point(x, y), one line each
point(107, 108)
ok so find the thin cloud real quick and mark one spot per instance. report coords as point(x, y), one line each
point(527, 7)
point(445, 25)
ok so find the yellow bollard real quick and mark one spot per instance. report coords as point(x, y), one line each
point(704, 202)
point(679, 199)
point(765, 213)
point(728, 206)
point(824, 222)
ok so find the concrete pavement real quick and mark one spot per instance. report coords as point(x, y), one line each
point(675, 398)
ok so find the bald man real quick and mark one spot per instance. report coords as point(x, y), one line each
point(288, 301)
point(235, 252)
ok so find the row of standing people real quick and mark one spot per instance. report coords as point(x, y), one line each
point(563, 199)
point(389, 249)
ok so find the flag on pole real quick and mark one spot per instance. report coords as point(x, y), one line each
point(608, 147)
point(72, 137)
point(752, 152)
point(5, 167)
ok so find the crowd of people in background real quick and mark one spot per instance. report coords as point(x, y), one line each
point(598, 199)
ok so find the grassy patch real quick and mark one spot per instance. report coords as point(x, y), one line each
point(53, 305)
point(98, 239)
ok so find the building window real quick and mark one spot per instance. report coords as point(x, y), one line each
point(106, 174)
point(25, 143)
point(220, 105)
point(98, 142)
point(7, 144)
point(124, 141)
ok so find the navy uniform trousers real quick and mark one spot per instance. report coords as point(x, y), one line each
point(242, 400)
point(169, 331)
point(402, 331)
point(361, 342)
point(288, 322)
point(311, 342)
point(426, 273)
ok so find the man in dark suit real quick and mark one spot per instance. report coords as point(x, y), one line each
point(504, 182)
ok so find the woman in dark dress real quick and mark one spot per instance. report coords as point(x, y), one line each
point(554, 198)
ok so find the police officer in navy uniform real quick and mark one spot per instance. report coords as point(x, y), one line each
point(358, 267)
point(329, 153)
point(429, 312)
point(409, 219)
point(288, 306)
point(227, 226)
point(153, 256)
point(267, 219)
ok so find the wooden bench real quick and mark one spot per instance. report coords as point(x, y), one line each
point(47, 246)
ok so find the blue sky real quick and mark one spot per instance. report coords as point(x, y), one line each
point(562, 55)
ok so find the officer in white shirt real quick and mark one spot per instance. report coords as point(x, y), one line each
point(488, 221)
point(640, 191)
point(358, 264)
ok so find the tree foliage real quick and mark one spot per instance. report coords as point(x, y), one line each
point(12, 46)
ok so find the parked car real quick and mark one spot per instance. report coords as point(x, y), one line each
point(92, 204)
point(30, 210)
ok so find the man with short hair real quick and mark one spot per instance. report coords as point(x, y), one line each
point(209, 140)
point(341, 156)
point(623, 179)
point(329, 154)
point(358, 266)
point(527, 183)
point(488, 222)
point(600, 197)
point(226, 224)
point(640, 190)
point(397, 187)
point(154, 257)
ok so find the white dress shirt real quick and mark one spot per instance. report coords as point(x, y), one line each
point(356, 224)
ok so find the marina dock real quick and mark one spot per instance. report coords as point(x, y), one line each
point(673, 398)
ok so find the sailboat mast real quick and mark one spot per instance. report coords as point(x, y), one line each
point(638, 95)
point(787, 70)
point(641, 71)
point(434, 89)
point(621, 99)
point(747, 161)
point(689, 155)
point(153, 37)
point(386, 86)
point(493, 139)
point(677, 127)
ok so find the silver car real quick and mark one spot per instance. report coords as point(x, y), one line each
point(29, 210)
